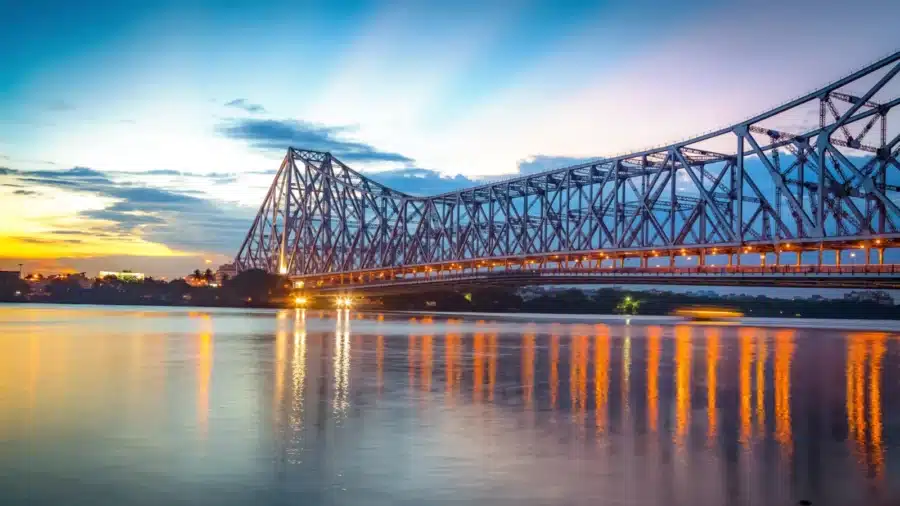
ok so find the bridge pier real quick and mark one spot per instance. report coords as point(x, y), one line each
point(880, 256)
point(837, 257)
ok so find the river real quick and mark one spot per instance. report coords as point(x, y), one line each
point(131, 405)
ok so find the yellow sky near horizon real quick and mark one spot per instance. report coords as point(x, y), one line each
point(49, 224)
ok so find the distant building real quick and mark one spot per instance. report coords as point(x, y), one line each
point(9, 276)
point(123, 275)
point(229, 270)
point(876, 296)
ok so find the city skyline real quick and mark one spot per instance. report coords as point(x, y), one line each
point(145, 138)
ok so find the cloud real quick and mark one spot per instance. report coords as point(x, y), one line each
point(241, 103)
point(25, 192)
point(180, 221)
point(421, 182)
point(270, 134)
point(38, 240)
point(542, 163)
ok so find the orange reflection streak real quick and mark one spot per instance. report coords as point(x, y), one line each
point(601, 376)
point(554, 370)
point(204, 373)
point(478, 368)
point(411, 361)
point(379, 362)
point(451, 364)
point(857, 357)
point(528, 345)
point(784, 351)
point(578, 377)
point(712, 392)
point(746, 352)
point(298, 368)
point(653, 351)
point(682, 382)
point(761, 359)
point(878, 351)
point(848, 374)
point(492, 365)
point(427, 359)
point(280, 366)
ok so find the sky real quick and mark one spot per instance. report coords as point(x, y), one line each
point(143, 135)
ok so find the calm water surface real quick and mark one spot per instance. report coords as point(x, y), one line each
point(112, 406)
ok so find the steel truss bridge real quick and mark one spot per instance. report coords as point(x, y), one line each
point(764, 202)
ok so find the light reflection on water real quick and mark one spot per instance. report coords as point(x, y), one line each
point(151, 406)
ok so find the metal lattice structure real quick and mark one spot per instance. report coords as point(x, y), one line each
point(757, 183)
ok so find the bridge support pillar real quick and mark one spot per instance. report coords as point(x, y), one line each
point(644, 261)
point(868, 255)
point(777, 258)
point(671, 260)
point(837, 257)
point(701, 258)
point(730, 256)
point(799, 258)
point(819, 261)
point(880, 256)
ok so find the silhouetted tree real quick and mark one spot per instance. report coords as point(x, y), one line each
point(257, 287)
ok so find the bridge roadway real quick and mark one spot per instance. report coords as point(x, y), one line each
point(804, 276)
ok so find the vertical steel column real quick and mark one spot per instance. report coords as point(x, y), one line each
point(821, 141)
point(739, 181)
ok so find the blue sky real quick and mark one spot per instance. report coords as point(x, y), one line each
point(177, 112)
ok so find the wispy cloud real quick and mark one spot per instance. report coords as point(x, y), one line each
point(270, 134)
point(242, 103)
point(421, 182)
point(25, 192)
point(39, 240)
point(541, 163)
point(180, 221)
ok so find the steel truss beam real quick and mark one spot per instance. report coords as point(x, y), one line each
point(836, 181)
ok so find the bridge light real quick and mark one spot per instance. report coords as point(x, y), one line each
point(853, 254)
point(282, 270)
point(301, 301)
point(787, 246)
point(878, 241)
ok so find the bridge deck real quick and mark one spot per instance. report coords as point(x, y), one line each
point(856, 276)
